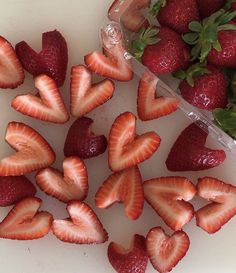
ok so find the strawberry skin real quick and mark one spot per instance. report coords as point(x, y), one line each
point(126, 187)
point(208, 7)
point(223, 207)
point(24, 222)
point(148, 105)
point(169, 197)
point(209, 91)
point(15, 188)
point(134, 259)
point(125, 148)
point(11, 71)
point(165, 251)
point(51, 60)
point(33, 151)
point(190, 154)
point(81, 142)
point(83, 226)
point(49, 107)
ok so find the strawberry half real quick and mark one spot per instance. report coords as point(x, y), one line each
point(84, 97)
point(149, 105)
point(223, 207)
point(72, 185)
point(24, 222)
point(48, 107)
point(11, 71)
point(165, 251)
point(83, 226)
point(134, 259)
point(126, 187)
point(80, 141)
point(51, 60)
point(125, 148)
point(169, 197)
point(15, 188)
point(33, 151)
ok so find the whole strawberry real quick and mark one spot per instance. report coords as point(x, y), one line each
point(176, 14)
point(162, 50)
point(208, 7)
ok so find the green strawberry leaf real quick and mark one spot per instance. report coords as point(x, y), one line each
point(157, 7)
point(195, 26)
point(226, 118)
point(191, 38)
point(181, 75)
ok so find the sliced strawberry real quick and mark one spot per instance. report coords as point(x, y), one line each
point(48, 107)
point(80, 141)
point(33, 151)
point(164, 251)
point(149, 106)
point(83, 226)
point(126, 187)
point(84, 96)
point(24, 222)
point(223, 207)
point(15, 188)
point(11, 71)
point(125, 148)
point(51, 60)
point(169, 197)
point(72, 185)
point(134, 259)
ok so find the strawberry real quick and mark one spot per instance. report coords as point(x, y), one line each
point(165, 251)
point(83, 226)
point(72, 185)
point(176, 14)
point(80, 141)
point(169, 197)
point(126, 187)
point(162, 50)
point(149, 105)
point(51, 60)
point(33, 151)
point(134, 259)
point(15, 188)
point(24, 222)
point(48, 107)
point(125, 148)
point(208, 7)
point(223, 207)
point(189, 152)
point(205, 87)
point(84, 96)
point(11, 71)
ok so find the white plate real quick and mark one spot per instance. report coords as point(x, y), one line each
point(79, 22)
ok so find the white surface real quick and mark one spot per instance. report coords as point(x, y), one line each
point(79, 22)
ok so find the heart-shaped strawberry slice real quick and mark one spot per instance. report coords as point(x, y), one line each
point(72, 185)
point(83, 226)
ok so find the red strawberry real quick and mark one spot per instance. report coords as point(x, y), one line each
point(83, 226)
point(84, 96)
point(15, 188)
point(208, 7)
point(72, 185)
point(11, 71)
point(49, 107)
point(33, 151)
point(125, 148)
point(190, 154)
point(149, 105)
point(80, 141)
point(223, 207)
point(24, 222)
point(134, 259)
point(162, 50)
point(126, 187)
point(51, 60)
point(169, 197)
point(205, 88)
point(130, 14)
point(164, 251)
point(176, 14)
